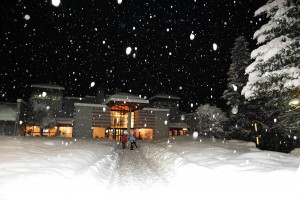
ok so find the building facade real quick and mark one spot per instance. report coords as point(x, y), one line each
point(50, 113)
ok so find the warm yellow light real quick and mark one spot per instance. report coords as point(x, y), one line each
point(255, 127)
point(294, 102)
point(257, 140)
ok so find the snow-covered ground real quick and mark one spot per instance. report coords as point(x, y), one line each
point(180, 167)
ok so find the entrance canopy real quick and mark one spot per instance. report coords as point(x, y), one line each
point(125, 101)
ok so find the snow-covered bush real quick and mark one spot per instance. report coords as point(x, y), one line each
point(211, 121)
point(296, 152)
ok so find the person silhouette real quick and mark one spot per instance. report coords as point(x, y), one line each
point(132, 142)
point(124, 140)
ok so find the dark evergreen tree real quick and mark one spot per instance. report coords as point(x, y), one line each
point(239, 126)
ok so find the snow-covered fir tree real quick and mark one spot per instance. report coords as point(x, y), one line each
point(238, 125)
point(41, 115)
point(274, 76)
point(211, 121)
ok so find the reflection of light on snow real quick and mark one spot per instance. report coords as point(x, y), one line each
point(27, 17)
point(215, 46)
point(92, 84)
point(192, 36)
point(128, 50)
point(55, 3)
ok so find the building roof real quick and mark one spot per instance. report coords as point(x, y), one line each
point(132, 102)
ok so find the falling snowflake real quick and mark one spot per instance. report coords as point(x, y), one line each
point(92, 84)
point(27, 17)
point(128, 50)
point(192, 36)
point(56, 3)
point(119, 1)
point(215, 46)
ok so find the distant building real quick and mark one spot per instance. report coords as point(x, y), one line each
point(177, 122)
point(13, 118)
point(99, 116)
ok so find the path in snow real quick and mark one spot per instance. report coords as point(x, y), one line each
point(134, 171)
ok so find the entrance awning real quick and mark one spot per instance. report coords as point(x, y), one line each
point(125, 101)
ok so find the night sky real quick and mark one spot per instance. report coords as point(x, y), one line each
point(84, 41)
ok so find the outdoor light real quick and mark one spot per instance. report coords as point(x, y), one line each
point(255, 129)
point(294, 102)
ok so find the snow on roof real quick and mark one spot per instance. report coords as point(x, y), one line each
point(157, 109)
point(48, 86)
point(126, 97)
point(164, 96)
point(75, 98)
point(90, 105)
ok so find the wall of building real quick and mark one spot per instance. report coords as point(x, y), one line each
point(22, 109)
point(101, 116)
point(88, 116)
point(83, 121)
point(144, 119)
point(161, 124)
